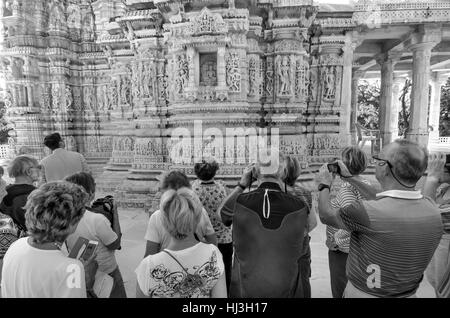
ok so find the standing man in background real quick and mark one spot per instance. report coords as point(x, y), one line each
point(61, 163)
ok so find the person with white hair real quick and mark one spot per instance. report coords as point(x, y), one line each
point(268, 232)
point(186, 268)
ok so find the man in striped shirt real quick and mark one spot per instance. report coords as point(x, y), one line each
point(394, 236)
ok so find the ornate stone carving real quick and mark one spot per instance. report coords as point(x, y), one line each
point(71, 143)
point(207, 23)
point(208, 69)
point(68, 98)
point(182, 68)
point(57, 19)
point(269, 77)
point(329, 83)
point(233, 75)
point(252, 78)
point(301, 79)
point(313, 83)
point(283, 75)
point(148, 78)
point(56, 97)
point(77, 103)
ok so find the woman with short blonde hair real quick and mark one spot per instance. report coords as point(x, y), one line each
point(35, 266)
point(196, 267)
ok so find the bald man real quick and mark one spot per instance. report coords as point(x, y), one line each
point(394, 235)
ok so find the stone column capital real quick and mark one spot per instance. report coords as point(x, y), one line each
point(388, 57)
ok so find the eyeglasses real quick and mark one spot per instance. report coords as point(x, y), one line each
point(379, 161)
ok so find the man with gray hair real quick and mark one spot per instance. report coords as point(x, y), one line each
point(394, 235)
point(268, 232)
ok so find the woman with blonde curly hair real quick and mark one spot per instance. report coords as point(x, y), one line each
point(35, 266)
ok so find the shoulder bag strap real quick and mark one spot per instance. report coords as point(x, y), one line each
point(167, 252)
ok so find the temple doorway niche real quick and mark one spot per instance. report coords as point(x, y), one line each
point(208, 69)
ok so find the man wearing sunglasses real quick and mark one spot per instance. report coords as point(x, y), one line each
point(395, 233)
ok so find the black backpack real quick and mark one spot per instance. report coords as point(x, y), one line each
point(104, 206)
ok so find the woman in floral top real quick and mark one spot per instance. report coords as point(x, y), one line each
point(211, 194)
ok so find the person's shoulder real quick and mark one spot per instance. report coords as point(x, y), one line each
point(94, 217)
point(155, 217)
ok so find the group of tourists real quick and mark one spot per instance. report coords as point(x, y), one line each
point(251, 241)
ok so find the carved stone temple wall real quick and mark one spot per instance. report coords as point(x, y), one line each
point(117, 78)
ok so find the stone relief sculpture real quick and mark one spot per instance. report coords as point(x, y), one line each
point(71, 143)
point(147, 79)
point(233, 75)
point(73, 16)
point(57, 21)
point(312, 86)
point(88, 27)
point(269, 77)
point(183, 73)
point(301, 79)
point(8, 99)
point(252, 68)
point(56, 97)
point(68, 98)
point(113, 95)
point(284, 75)
point(329, 83)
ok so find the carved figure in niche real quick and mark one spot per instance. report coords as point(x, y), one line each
point(284, 76)
point(74, 17)
point(269, 77)
point(8, 99)
point(252, 77)
point(329, 83)
point(301, 79)
point(147, 80)
point(183, 74)
point(57, 18)
point(56, 97)
point(71, 144)
point(312, 87)
point(208, 69)
point(233, 73)
point(125, 90)
point(69, 98)
point(88, 27)
point(113, 96)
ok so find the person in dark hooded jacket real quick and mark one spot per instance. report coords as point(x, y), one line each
point(25, 171)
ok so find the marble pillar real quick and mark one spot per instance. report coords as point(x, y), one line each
point(346, 95)
point(387, 62)
point(418, 122)
point(437, 81)
point(356, 76)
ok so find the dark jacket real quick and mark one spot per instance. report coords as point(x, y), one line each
point(14, 202)
point(268, 233)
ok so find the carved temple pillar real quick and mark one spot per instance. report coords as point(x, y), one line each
point(387, 62)
point(356, 76)
point(345, 121)
point(437, 81)
point(421, 43)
